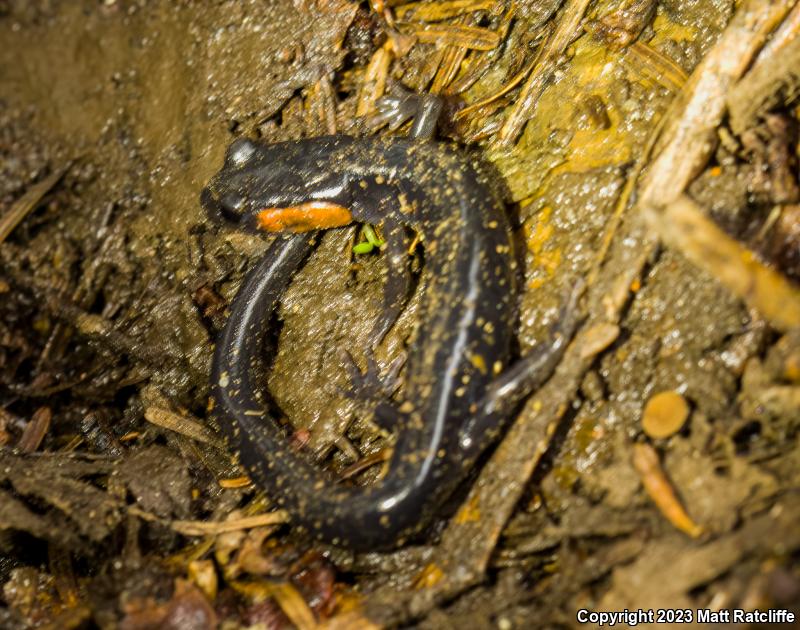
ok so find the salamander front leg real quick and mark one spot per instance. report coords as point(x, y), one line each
point(402, 105)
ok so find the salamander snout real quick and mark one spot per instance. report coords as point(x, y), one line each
point(220, 198)
point(228, 207)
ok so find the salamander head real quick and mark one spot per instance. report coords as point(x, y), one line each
point(274, 187)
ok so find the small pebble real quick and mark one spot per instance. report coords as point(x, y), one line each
point(664, 414)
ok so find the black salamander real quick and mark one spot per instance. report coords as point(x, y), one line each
point(459, 389)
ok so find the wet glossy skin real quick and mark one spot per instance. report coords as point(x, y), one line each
point(453, 403)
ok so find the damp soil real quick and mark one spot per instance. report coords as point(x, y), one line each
point(114, 286)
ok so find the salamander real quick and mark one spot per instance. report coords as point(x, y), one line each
point(459, 389)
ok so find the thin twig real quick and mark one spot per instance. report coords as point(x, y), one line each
point(28, 202)
point(684, 226)
point(526, 104)
point(205, 528)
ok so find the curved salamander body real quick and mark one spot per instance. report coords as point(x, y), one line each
point(453, 402)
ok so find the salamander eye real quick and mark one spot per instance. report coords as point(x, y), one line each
point(232, 204)
point(240, 151)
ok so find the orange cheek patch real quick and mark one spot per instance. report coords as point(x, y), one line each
point(313, 215)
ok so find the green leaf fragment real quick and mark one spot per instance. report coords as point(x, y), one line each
point(372, 241)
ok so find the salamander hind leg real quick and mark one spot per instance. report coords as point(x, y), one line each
point(520, 380)
point(371, 387)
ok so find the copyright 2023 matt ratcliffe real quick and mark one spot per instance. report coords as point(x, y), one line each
point(631, 618)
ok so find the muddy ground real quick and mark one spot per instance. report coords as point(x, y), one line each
point(665, 476)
